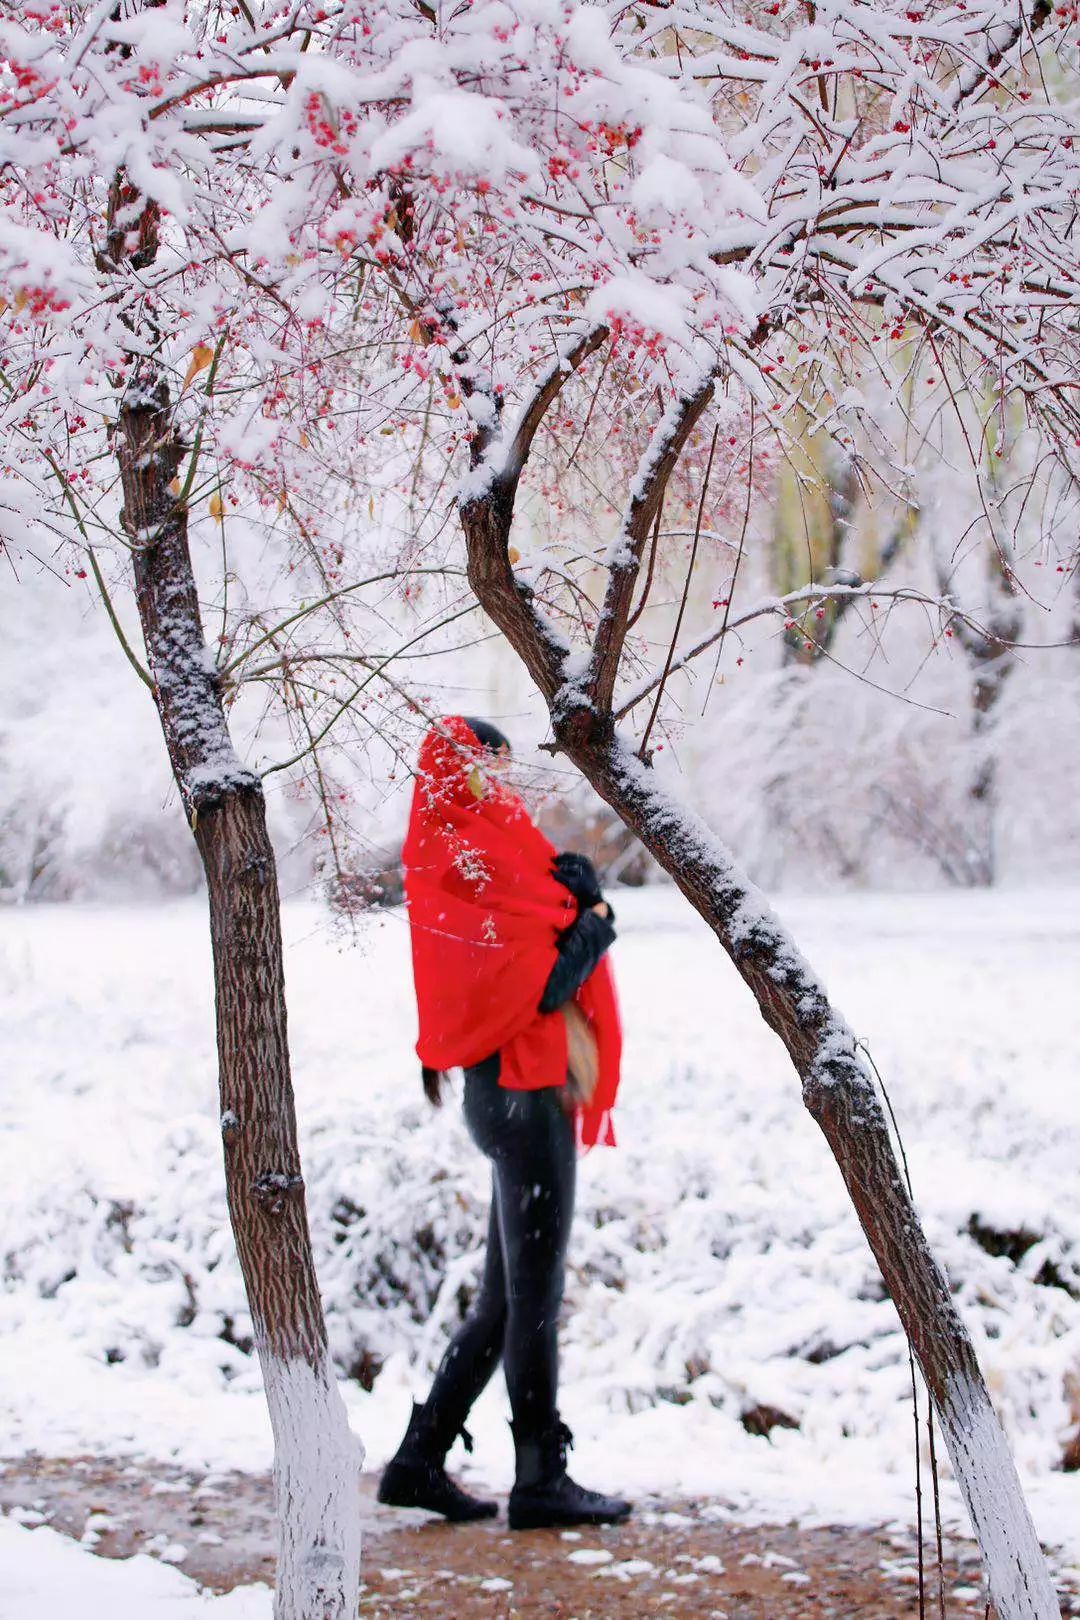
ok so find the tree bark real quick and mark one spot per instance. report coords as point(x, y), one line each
point(316, 1457)
point(992, 666)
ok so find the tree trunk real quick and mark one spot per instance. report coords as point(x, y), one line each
point(993, 666)
point(839, 1093)
point(991, 658)
point(316, 1457)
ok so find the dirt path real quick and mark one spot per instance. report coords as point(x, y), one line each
point(682, 1559)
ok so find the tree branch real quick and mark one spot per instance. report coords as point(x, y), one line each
point(375, 668)
point(546, 393)
point(644, 749)
point(657, 466)
point(811, 596)
point(323, 601)
point(486, 508)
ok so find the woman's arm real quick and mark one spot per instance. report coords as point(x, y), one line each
point(580, 949)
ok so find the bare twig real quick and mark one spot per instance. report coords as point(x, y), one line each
point(118, 629)
point(99, 579)
point(323, 601)
point(643, 749)
point(816, 595)
point(376, 670)
point(738, 557)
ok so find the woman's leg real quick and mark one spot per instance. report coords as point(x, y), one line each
point(474, 1351)
point(531, 1141)
point(534, 1185)
point(529, 1138)
point(416, 1476)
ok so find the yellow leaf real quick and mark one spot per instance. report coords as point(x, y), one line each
point(476, 783)
point(453, 400)
point(21, 298)
point(282, 500)
point(201, 356)
point(514, 555)
point(304, 440)
point(371, 506)
point(217, 506)
point(174, 486)
point(415, 332)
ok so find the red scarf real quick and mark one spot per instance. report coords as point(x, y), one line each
point(484, 912)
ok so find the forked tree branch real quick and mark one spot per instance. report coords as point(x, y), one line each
point(658, 464)
point(547, 391)
point(836, 1086)
point(486, 507)
point(810, 597)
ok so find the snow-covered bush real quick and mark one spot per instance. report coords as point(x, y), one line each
point(715, 1260)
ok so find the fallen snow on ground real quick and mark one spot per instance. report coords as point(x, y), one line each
point(716, 1265)
point(45, 1574)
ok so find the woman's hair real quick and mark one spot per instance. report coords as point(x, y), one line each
point(485, 733)
point(488, 736)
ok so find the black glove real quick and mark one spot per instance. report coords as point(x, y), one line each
point(581, 948)
point(578, 874)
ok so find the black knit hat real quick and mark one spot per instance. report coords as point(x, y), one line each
point(487, 734)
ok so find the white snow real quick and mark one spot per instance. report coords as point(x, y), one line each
point(47, 1574)
point(637, 299)
point(715, 1263)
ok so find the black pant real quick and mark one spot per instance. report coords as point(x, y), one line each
point(529, 1138)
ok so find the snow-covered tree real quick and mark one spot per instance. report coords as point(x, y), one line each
point(146, 375)
point(253, 252)
point(756, 210)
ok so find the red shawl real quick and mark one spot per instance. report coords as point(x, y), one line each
point(484, 912)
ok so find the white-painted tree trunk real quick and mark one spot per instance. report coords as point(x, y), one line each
point(317, 1462)
point(317, 1459)
point(1019, 1581)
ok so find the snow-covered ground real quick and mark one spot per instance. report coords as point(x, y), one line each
point(715, 1266)
point(46, 1574)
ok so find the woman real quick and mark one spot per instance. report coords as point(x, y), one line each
point(507, 942)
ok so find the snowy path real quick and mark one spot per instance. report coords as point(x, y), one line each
point(681, 1559)
point(716, 1268)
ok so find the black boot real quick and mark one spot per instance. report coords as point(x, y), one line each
point(544, 1494)
point(416, 1477)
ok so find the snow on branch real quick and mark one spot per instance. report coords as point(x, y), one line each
point(624, 560)
point(388, 237)
point(815, 598)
